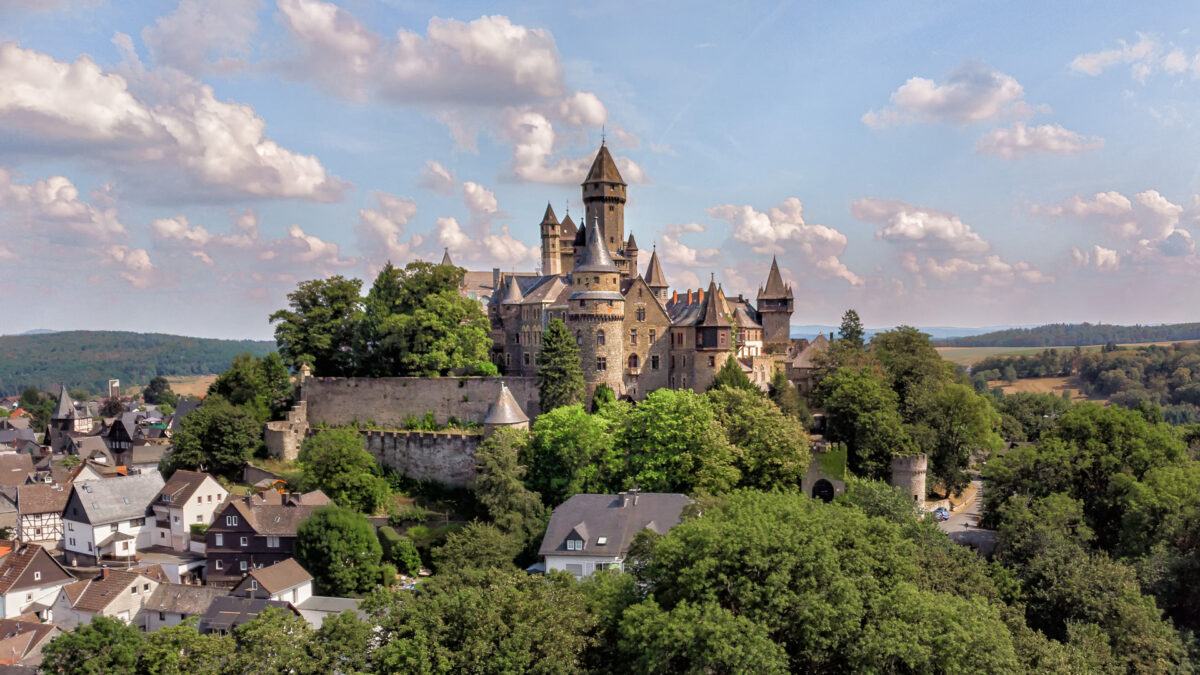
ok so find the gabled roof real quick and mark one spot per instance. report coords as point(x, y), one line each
point(713, 314)
point(15, 469)
point(119, 498)
point(804, 357)
point(506, 410)
point(65, 409)
point(97, 594)
point(614, 518)
point(19, 638)
point(280, 518)
point(186, 599)
point(604, 169)
point(229, 611)
point(596, 257)
point(13, 566)
point(41, 498)
point(181, 487)
point(282, 576)
point(567, 229)
point(775, 290)
point(654, 273)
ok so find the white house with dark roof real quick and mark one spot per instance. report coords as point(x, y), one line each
point(30, 579)
point(108, 518)
point(188, 498)
point(172, 604)
point(593, 532)
point(119, 594)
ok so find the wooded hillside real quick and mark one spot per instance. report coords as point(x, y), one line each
point(1072, 334)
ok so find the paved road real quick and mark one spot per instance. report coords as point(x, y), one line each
point(963, 525)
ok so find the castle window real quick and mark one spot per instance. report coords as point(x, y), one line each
point(712, 361)
point(578, 337)
point(641, 314)
point(517, 338)
point(527, 359)
point(610, 303)
point(683, 382)
point(582, 303)
point(672, 361)
point(651, 336)
point(610, 210)
point(600, 337)
point(633, 336)
point(601, 363)
point(633, 361)
point(507, 360)
point(595, 280)
point(654, 362)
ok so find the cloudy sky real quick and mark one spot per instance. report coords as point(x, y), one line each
point(179, 166)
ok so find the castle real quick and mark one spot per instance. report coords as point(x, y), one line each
point(634, 334)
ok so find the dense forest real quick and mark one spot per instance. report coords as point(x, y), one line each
point(88, 359)
point(1072, 334)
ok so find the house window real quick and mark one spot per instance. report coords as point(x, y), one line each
point(162, 616)
point(253, 585)
point(243, 541)
point(600, 337)
point(133, 590)
point(199, 500)
point(272, 542)
point(242, 565)
point(146, 587)
point(641, 313)
point(72, 540)
point(654, 362)
point(70, 526)
point(601, 363)
point(176, 519)
point(218, 564)
point(29, 597)
point(219, 539)
point(231, 520)
point(199, 518)
point(37, 576)
point(652, 335)
point(574, 544)
point(162, 535)
point(210, 498)
point(633, 336)
point(89, 547)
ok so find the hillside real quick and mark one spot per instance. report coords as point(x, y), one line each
point(88, 359)
point(1070, 335)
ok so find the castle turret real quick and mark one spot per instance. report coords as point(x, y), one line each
point(446, 258)
point(714, 337)
point(908, 474)
point(604, 199)
point(510, 320)
point(631, 256)
point(655, 279)
point(505, 412)
point(775, 306)
point(596, 313)
point(551, 242)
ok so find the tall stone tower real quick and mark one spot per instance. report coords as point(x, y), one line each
point(604, 200)
point(908, 473)
point(596, 313)
point(655, 279)
point(551, 256)
point(775, 306)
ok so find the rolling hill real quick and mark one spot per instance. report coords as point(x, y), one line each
point(1078, 334)
point(88, 359)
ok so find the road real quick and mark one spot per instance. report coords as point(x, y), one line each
point(963, 525)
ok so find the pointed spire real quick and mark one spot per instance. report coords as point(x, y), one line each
point(654, 273)
point(567, 226)
point(632, 243)
point(596, 257)
point(446, 258)
point(604, 169)
point(775, 288)
point(550, 217)
point(65, 409)
point(506, 411)
point(712, 313)
point(581, 235)
point(512, 292)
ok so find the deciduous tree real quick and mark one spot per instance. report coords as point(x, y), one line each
point(774, 450)
point(335, 462)
point(673, 443)
point(216, 437)
point(321, 326)
point(339, 548)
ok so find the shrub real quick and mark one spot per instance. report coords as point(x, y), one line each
point(199, 529)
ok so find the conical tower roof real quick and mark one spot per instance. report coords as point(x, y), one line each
point(569, 231)
point(654, 274)
point(65, 409)
point(596, 257)
point(775, 288)
point(713, 314)
point(604, 169)
point(505, 411)
point(581, 236)
point(632, 243)
point(512, 293)
point(446, 258)
point(550, 217)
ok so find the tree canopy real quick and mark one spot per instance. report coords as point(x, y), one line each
point(339, 548)
point(335, 462)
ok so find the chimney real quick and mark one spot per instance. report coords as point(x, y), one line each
point(104, 573)
point(674, 297)
point(831, 336)
point(634, 492)
point(689, 296)
point(700, 296)
point(623, 498)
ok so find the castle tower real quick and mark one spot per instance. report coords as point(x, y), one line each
point(655, 279)
point(505, 412)
point(714, 338)
point(510, 320)
point(551, 239)
point(631, 257)
point(63, 418)
point(566, 244)
point(604, 199)
point(775, 306)
point(446, 258)
point(596, 314)
point(908, 474)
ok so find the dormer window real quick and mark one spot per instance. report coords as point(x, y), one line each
point(574, 544)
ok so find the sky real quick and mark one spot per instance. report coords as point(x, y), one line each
point(179, 166)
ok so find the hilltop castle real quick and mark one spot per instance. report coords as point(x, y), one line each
point(634, 334)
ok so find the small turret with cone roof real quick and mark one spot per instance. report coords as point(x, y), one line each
point(446, 258)
point(505, 412)
point(655, 279)
point(65, 410)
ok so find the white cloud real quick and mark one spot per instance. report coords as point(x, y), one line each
point(1139, 56)
point(480, 202)
point(975, 92)
point(1148, 215)
point(783, 228)
point(77, 108)
point(1044, 139)
point(337, 50)
point(51, 207)
point(450, 235)
point(203, 36)
point(437, 178)
point(381, 231)
point(584, 109)
point(134, 264)
point(534, 139)
point(903, 223)
point(678, 253)
point(1103, 259)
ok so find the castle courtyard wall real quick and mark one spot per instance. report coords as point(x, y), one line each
point(389, 401)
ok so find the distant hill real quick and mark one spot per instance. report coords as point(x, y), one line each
point(935, 332)
point(1081, 334)
point(88, 359)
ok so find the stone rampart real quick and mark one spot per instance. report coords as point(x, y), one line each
point(389, 401)
point(447, 457)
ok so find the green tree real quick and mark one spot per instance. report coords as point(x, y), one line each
point(559, 375)
point(963, 423)
point(732, 376)
point(499, 487)
point(861, 411)
point(279, 642)
point(851, 330)
point(788, 398)
point(346, 642)
point(602, 395)
point(1035, 413)
point(335, 462)
point(104, 646)
point(111, 407)
point(774, 449)
point(159, 391)
point(321, 325)
point(477, 546)
point(571, 452)
point(912, 366)
point(181, 650)
point(673, 443)
point(216, 437)
point(339, 548)
point(263, 386)
point(698, 639)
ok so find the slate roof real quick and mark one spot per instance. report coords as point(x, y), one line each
point(229, 611)
point(41, 498)
point(549, 217)
point(506, 410)
point(775, 289)
point(282, 576)
point(615, 518)
point(65, 409)
point(604, 169)
point(713, 313)
point(596, 257)
point(654, 273)
point(181, 487)
point(91, 446)
point(279, 518)
point(182, 409)
point(567, 228)
point(803, 358)
point(147, 454)
point(512, 293)
point(16, 423)
point(446, 258)
point(14, 436)
point(14, 564)
point(120, 498)
point(15, 469)
point(329, 604)
point(186, 599)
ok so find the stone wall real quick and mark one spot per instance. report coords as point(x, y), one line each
point(388, 401)
point(284, 437)
point(908, 473)
point(442, 456)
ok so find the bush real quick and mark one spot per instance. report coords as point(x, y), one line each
point(409, 513)
point(485, 369)
point(406, 557)
point(387, 575)
point(389, 538)
point(199, 529)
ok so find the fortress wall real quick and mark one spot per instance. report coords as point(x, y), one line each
point(389, 401)
point(445, 457)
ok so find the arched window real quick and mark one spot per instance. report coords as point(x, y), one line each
point(633, 361)
point(600, 337)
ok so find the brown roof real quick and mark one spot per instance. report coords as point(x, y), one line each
point(271, 513)
point(183, 598)
point(654, 274)
point(804, 357)
point(15, 469)
point(41, 498)
point(549, 217)
point(14, 564)
point(281, 576)
point(155, 572)
point(101, 591)
point(181, 486)
point(604, 169)
point(19, 637)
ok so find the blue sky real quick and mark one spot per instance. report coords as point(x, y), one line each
point(178, 167)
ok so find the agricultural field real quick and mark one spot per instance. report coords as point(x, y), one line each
point(1045, 385)
point(184, 385)
point(968, 356)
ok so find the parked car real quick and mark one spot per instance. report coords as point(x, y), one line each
point(941, 514)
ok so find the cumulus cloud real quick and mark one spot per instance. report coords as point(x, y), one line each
point(72, 108)
point(975, 92)
point(204, 36)
point(437, 178)
point(1140, 56)
point(677, 253)
point(1020, 141)
point(381, 231)
point(1147, 215)
point(534, 142)
point(903, 223)
point(51, 207)
point(133, 264)
point(783, 229)
point(1102, 259)
point(480, 202)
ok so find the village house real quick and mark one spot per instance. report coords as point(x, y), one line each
point(230, 611)
point(255, 531)
point(188, 498)
point(118, 594)
point(39, 512)
point(587, 533)
point(30, 578)
point(172, 604)
point(15, 469)
point(285, 580)
point(22, 640)
point(106, 519)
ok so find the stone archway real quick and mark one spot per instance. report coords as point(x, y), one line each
point(823, 490)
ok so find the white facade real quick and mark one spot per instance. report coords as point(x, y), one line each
point(174, 520)
point(126, 604)
point(20, 601)
point(123, 538)
point(40, 527)
point(583, 566)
